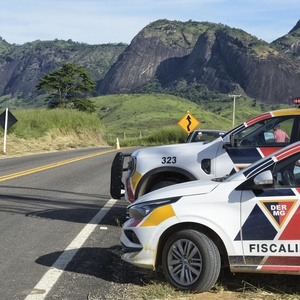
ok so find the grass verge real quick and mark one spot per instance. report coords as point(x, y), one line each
point(40, 130)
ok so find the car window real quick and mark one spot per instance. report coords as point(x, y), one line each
point(204, 136)
point(270, 132)
point(287, 172)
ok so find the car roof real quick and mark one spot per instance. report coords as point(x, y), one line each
point(274, 113)
point(264, 116)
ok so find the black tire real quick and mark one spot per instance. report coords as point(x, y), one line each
point(191, 261)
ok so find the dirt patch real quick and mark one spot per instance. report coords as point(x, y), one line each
point(131, 282)
point(233, 287)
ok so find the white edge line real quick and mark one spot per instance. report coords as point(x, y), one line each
point(46, 283)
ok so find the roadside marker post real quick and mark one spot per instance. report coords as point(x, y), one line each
point(7, 119)
point(117, 144)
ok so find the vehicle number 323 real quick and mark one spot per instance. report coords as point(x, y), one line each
point(168, 160)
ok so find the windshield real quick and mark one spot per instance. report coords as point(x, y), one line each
point(204, 136)
point(263, 133)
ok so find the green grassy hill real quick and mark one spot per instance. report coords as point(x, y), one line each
point(135, 114)
point(141, 115)
point(134, 119)
point(40, 130)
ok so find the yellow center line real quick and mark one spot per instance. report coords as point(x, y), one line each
point(53, 165)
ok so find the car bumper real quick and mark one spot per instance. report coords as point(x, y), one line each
point(137, 250)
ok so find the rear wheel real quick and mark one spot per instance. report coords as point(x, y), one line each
point(191, 261)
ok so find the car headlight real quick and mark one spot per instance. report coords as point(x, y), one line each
point(141, 210)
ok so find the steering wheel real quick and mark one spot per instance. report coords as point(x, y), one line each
point(288, 178)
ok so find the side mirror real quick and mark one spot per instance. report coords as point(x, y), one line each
point(259, 182)
point(264, 179)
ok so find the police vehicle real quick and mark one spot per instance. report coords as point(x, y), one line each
point(248, 222)
point(155, 167)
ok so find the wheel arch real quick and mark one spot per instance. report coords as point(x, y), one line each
point(162, 174)
point(194, 226)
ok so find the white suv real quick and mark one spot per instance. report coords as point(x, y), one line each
point(155, 167)
point(249, 222)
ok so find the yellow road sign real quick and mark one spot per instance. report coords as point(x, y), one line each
point(188, 123)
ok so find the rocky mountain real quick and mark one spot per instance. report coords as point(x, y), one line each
point(21, 66)
point(157, 50)
point(290, 43)
point(175, 54)
point(225, 59)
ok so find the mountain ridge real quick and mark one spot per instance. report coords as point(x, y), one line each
point(175, 53)
point(225, 59)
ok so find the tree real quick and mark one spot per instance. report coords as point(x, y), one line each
point(67, 86)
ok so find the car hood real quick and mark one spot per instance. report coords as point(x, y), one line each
point(180, 190)
point(174, 149)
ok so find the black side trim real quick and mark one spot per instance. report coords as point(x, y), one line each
point(126, 249)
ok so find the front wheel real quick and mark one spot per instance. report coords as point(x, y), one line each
point(191, 261)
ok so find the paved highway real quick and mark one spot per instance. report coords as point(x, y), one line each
point(59, 228)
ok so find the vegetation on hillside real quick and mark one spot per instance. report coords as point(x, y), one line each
point(136, 120)
point(144, 119)
point(35, 123)
point(39, 130)
point(141, 115)
point(4, 46)
point(66, 87)
point(97, 59)
point(196, 92)
point(23, 65)
point(177, 33)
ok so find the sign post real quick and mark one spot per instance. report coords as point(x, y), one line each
point(7, 119)
point(5, 131)
point(188, 123)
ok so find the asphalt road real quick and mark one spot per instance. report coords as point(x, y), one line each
point(60, 228)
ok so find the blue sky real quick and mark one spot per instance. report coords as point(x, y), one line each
point(114, 21)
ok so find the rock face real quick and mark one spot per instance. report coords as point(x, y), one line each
point(223, 58)
point(290, 43)
point(141, 61)
point(19, 75)
point(223, 62)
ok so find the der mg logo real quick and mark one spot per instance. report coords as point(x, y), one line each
point(278, 210)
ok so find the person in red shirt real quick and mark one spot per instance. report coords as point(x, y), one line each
point(280, 135)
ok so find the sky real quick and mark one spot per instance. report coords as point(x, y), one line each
point(119, 21)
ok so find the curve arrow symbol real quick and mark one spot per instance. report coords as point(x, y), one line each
point(189, 124)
